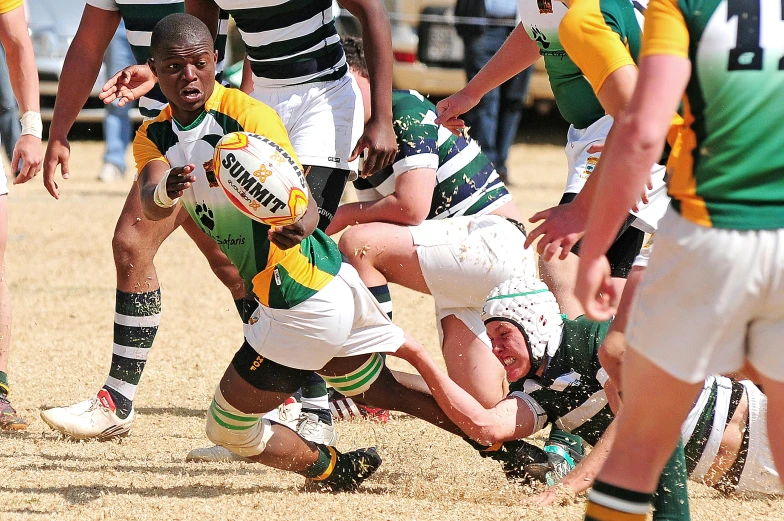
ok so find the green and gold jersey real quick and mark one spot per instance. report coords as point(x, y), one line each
point(140, 17)
point(601, 36)
point(573, 94)
point(466, 181)
point(730, 171)
point(571, 388)
point(279, 278)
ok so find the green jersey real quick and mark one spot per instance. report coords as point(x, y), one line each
point(730, 171)
point(466, 181)
point(571, 388)
point(573, 94)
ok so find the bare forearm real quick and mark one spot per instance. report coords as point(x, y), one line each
point(516, 54)
point(388, 209)
point(23, 73)
point(378, 54)
point(583, 475)
point(80, 71)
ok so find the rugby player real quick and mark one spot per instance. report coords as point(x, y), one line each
point(25, 163)
point(590, 116)
point(439, 220)
point(556, 378)
point(719, 243)
point(314, 313)
point(136, 240)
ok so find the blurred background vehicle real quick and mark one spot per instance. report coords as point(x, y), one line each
point(53, 24)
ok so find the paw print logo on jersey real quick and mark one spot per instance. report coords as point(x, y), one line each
point(262, 173)
point(205, 215)
point(539, 36)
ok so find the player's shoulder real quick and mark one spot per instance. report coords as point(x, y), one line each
point(155, 127)
point(237, 105)
point(585, 14)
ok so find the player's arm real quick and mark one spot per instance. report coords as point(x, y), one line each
point(378, 137)
point(517, 53)
point(409, 205)
point(285, 237)
point(80, 69)
point(24, 81)
point(510, 419)
point(161, 187)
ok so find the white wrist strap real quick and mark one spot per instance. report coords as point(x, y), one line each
point(161, 196)
point(31, 124)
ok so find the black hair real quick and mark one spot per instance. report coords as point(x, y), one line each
point(355, 54)
point(179, 28)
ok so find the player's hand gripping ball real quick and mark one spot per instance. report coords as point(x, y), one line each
point(260, 178)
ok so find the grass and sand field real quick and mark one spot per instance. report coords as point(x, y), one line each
point(59, 263)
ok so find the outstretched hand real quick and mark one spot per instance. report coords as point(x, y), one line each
point(563, 226)
point(381, 144)
point(594, 288)
point(180, 179)
point(450, 108)
point(128, 85)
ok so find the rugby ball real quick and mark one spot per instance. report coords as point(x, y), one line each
point(260, 178)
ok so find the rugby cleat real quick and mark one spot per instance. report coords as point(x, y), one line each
point(344, 408)
point(288, 413)
point(351, 469)
point(310, 427)
point(9, 418)
point(562, 459)
point(91, 419)
point(214, 454)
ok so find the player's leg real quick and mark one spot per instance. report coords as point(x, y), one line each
point(253, 385)
point(9, 419)
point(648, 431)
point(137, 316)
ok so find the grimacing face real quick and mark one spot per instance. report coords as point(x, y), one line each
point(186, 75)
point(510, 347)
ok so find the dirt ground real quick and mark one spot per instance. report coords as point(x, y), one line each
point(62, 280)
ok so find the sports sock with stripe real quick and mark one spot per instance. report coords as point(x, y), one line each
point(384, 298)
point(315, 398)
point(136, 320)
point(671, 499)
point(610, 503)
point(324, 465)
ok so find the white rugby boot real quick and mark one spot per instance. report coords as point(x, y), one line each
point(310, 427)
point(91, 419)
point(214, 454)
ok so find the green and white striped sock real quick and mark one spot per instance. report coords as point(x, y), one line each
point(384, 298)
point(136, 320)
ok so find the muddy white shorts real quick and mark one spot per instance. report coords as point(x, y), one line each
point(759, 473)
point(581, 164)
point(341, 320)
point(324, 120)
point(464, 258)
point(720, 295)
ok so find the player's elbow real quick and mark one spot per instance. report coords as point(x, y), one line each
point(413, 214)
point(640, 139)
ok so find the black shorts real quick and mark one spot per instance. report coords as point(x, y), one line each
point(623, 251)
point(266, 375)
point(326, 186)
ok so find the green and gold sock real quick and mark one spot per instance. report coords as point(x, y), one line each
point(610, 503)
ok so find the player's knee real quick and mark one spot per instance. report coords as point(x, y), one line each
point(243, 434)
point(128, 249)
point(357, 244)
point(359, 381)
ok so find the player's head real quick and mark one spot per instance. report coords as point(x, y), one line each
point(355, 58)
point(524, 324)
point(183, 59)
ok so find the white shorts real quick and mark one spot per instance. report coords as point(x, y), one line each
point(711, 298)
point(642, 258)
point(324, 120)
point(464, 258)
point(759, 472)
point(581, 164)
point(341, 320)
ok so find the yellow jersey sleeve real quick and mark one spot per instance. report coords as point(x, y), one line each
point(665, 30)
point(7, 6)
point(258, 118)
point(144, 150)
point(592, 44)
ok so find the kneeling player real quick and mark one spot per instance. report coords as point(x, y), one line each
point(314, 312)
point(556, 377)
point(439, 221)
